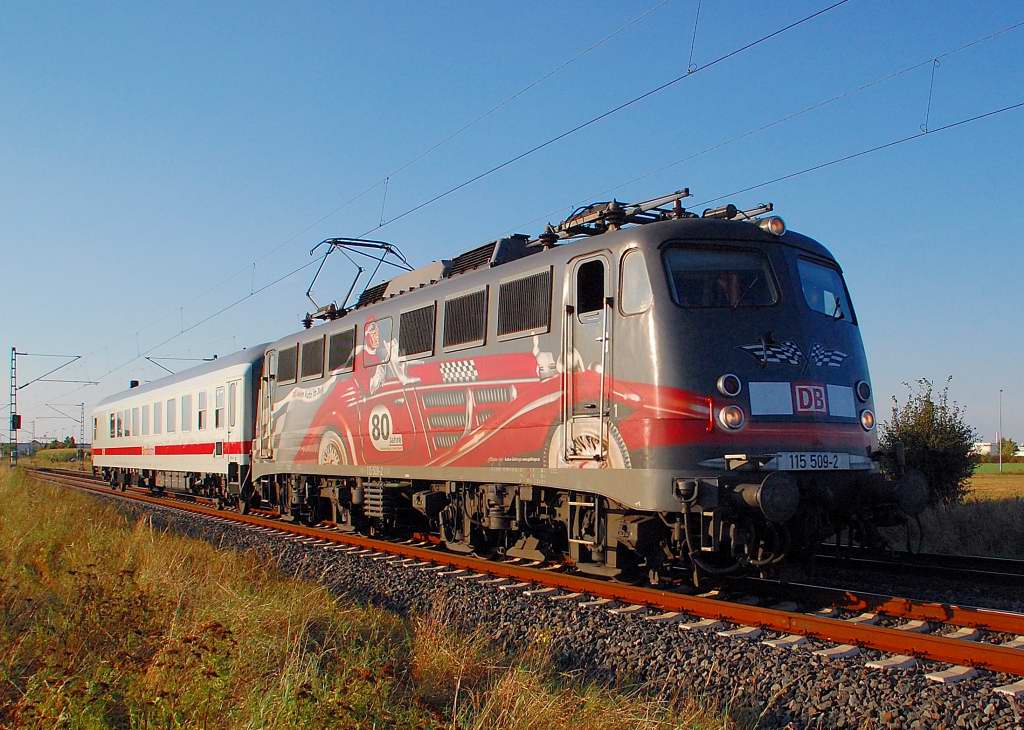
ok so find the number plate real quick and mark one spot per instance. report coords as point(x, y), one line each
point(811, 461)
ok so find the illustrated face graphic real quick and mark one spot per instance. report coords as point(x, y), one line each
point(371, 337)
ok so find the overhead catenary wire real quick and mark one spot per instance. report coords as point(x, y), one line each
point(902, 71)
point(864, 152)
point(505, 101)
point(607, 113)
point(536, 148)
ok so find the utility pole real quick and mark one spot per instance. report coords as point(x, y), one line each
point(1000, 439)
point(81, 425)
point(15, 418)
point(44, 378)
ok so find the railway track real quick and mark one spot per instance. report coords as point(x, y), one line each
point(998, 571)
point(972, 639)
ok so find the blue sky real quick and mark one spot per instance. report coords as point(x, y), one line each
point(152, 152)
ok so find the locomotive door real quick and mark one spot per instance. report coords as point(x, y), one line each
point(587, 357)
point(265, 421)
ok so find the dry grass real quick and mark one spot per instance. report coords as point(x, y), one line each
point(108, 623)
point(474, 687)
point(993, 527)
point(996, 486)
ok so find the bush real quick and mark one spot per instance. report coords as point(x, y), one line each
point(936, 439)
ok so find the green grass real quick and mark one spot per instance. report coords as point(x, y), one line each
point(55, 456)
point(107, 622)
point(1012, 467)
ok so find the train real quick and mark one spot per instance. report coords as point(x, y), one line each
point(640, 390)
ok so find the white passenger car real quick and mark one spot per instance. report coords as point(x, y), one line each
point(192, 430)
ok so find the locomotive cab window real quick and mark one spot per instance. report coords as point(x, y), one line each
point(287, 365)
point(635, 295)
point(824, 290)
point(342, 351)
point(313, 359)
point(590, 289)
point(705, 278)
point(416, 333)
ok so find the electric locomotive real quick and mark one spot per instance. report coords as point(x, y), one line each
point(639, 388)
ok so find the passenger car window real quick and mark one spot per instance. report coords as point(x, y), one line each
point(635, 294)
point(706, 277)
point(158, 417)
point(201, 408)
point(186, 413)
point(824, 290)
point(171, 410)
point(218, 407)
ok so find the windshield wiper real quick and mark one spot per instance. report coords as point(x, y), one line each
point(746, 291)
point(837, 313)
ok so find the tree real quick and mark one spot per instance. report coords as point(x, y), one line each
point(1008, 447)
point(936, 440)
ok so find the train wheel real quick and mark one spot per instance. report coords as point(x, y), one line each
point(585, 438)
point(332, 449)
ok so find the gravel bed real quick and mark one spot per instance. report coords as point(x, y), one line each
point(783, 688)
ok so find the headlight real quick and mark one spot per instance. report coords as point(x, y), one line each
point(731, 417)
point(867, 419)
point(729, 385)
point(773, 224)
point(863, 390)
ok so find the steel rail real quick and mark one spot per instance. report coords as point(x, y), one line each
point(1005, 571)
point(923, 646)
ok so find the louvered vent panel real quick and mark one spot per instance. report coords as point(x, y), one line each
point(524, 305)
point(372, 294)
point(342, 350)
point(473, 259)
point(465, 319)
point(416, 331)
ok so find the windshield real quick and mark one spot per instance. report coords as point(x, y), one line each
point(824, 290)
point(716, 277)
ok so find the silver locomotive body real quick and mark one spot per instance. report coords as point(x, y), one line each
point(690, 391)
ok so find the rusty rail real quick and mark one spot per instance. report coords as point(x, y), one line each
point(923, 646)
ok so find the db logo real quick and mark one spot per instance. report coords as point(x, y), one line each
point(810, 399)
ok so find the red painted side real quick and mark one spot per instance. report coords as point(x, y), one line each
point(205, 449)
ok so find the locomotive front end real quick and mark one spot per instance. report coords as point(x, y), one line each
point(762, 328)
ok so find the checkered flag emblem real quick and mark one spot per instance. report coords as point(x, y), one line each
point(459, 371)
point(822, 356)
point(783, 352)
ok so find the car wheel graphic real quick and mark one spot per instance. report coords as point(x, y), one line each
point(586, 444)
point(332, 450)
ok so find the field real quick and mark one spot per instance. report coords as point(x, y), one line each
point(106, 622)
